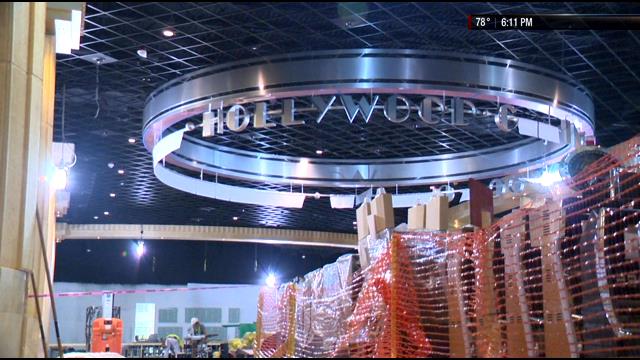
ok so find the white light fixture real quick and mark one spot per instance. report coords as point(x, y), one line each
point(112, 195)
point(142, 53)
point(271, 280)
point(140, 249)
point(121, 172)
point(235, 218)
point(60, 177)
point(168, 32)
point(319, 152)
point(132, 140)
point(95, 217)
point(106, 213)
point(68, 33)
point(111, 165)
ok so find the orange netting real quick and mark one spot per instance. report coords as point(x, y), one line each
point(559, 280)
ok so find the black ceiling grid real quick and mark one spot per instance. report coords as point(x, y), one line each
point(605, 62)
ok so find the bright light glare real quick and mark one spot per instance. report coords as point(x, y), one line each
point(140, 249)
point(59, 180)
point(548, 178)
point(271, 280)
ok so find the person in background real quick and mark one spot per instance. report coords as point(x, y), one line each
point(172, 346)
point(196, 329)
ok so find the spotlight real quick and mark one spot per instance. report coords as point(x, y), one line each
point(319, 152)
point(142, 53)
point(60, 179)
point(121, 172)
point(140, 249)
point(271, 280)
point(111, 165)
point(132, 140)
point(95, 218)
point(168, 33)
point(112, 195)
point(235, 218)
point(106, 213)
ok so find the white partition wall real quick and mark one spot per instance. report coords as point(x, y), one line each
point(227, 304)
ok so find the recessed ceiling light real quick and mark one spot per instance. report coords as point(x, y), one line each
point(304, 257)
point(254, 48)
point(168, 32)
point(319, 152)
point(95, 218)
point(235, 218)
point(106, 213)
point(120, 171)
point(112, 195)
point(142, 53)
point(354, 223)
point(132, 140)
point(111, 165)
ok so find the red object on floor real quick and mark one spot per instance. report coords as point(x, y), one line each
point(107, 335)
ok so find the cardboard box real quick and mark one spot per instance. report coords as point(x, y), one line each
point(382, 207)
point(417, 217)
point(361, 219)
point(437, 214)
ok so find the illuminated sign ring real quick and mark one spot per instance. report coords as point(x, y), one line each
point(230, 97)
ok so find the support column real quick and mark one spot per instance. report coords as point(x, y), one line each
point(27, 94)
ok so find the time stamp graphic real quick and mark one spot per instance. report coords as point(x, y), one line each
point(553, 22)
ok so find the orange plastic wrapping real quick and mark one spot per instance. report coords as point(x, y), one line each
point(559, 280)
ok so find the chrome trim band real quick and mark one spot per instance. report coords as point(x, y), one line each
point(367, 71)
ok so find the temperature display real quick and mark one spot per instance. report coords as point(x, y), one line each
point(553, 22)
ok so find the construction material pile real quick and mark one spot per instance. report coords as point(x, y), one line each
point(558, 280)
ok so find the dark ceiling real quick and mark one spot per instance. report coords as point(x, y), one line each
point(101, 122)
point(181, 262)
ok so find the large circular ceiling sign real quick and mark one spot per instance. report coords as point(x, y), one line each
point(522, 116)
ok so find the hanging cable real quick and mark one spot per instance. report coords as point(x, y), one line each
point(64, 98)
point(98, 62)
point(64, 102)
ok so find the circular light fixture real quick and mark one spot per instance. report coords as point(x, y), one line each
point(106, 213)
point(132, 140)
point(121, 172)
point(95, 218)
point(168, 32)
point(235, 218)
point(416, 90)
point(304, 257)
point(111, 165)
point(112, 195)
